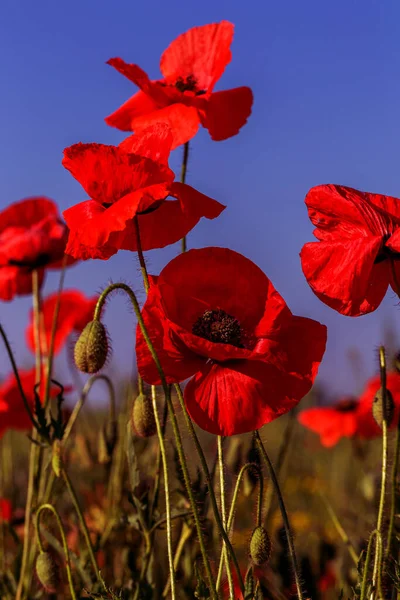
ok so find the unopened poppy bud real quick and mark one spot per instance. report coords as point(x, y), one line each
point(47, 571)
point(143, 420)
point(91, 349)
point(378, 409)
point(260, 546)
point(56, 460)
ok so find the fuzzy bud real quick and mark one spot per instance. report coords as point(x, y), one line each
point(91, 349)
point(260, 546)
point(377, 408)
point(56, 459)
point(397, 362)
point(143, 420)
point(47, 571)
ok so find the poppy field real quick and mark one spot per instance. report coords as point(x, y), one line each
point(218, 470)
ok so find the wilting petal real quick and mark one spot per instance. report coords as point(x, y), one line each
point(202, 52)
point(344, 276)
point(226, 112)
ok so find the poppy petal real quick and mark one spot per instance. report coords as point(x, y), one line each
point(178, 362)
point(28, 212)
point(241, 396)
point(335, 211)
point(183, 120)
point(344, 276)
point(138, 105)
point(226, 112)
point(330, 424)
point(154, 142)
point(107, 173)
point(240, 276)
point(173, 219)
point(15, 281)
point(202, 52)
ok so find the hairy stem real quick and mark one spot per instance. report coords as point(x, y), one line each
point(51, 508)
point(285, 518)
point(223, 511)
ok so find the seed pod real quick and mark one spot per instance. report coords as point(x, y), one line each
point(47, 571)
point(56, 459)
point(377, 408)
point(91, 349)
point(143, 420)
point(260, 546)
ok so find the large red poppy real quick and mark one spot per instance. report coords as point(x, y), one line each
point(357, 255)
point(184, 97)
point(214, 315)
point(75, 312)
point(128, 182)
point(350, 417)
point(32, 236)
point(13, 414)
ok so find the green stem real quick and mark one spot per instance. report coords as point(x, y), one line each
point(233, 506)
point(208, 477)
point(285, 518)
point(140, 255)
point(183, 179)
point(378, 559)
point(223, 511)
point(166, 488)
point(82, 524)
point(63, 538)
point(100, 304)
point(339, 528)
point(393, 491)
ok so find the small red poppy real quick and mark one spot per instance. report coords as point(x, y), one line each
point(332, 423)
point(13, 414)
point(5, 510)
point(127, 182)
point(32, 236)
point(214, 315)
point(350, 417)
point(75, 312)
point(357, 255)
point(184, 97)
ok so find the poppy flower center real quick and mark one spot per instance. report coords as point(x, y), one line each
point(188, 84)
point(219, 327)
point(347, 405)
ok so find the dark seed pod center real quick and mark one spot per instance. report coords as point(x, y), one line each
point(347, 405)
point(219, 327)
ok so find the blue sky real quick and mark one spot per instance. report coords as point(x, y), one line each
point(325, 77)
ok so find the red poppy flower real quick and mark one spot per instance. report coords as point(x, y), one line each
point(5, 510)
point(13, 414)
point(214, 315)
point(357, 255)
point(32, 236)
point(74, 313)
point(350, 417)
point(127, 182)
point(184, 97)
point(332, 423)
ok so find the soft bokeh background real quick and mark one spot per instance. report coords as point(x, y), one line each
point(325, 77)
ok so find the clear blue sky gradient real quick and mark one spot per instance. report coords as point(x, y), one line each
point(325, 77)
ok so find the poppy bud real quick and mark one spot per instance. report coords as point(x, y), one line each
point(91, 349)
point(143, 420)
point(47, 571)
point(377, 408)
point(56, 460)
point(260, 546)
